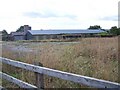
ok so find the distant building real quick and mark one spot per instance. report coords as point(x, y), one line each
point(25, 33)
point(18, 36)
point(60, 34)
point(21, 34)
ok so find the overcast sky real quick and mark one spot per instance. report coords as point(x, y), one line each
point(58, 14)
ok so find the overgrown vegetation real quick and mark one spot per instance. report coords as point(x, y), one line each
point(4, 35)
point(112, 31)
point(95, 27)
point(94, 57)
point(115, 31)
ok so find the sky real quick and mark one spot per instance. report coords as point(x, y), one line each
point(58, 14)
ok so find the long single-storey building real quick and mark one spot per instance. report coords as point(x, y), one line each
point(54, 34)
point(60, 34)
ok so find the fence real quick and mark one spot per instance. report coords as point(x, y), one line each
point(40, 71)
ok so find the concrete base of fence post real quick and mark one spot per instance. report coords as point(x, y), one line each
point(39, 82)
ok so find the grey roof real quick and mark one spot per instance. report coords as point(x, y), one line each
point(66, 31)
point(17, 33)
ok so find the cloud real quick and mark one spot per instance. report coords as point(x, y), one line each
point(57, 13)
point(110, 18)
point(48, 15)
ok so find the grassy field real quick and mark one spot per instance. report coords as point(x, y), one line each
point(94, 57)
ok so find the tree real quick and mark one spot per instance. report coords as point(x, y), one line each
point(21, 29)
point(95, 27)
point(114, 30)
point(4, 35)
point(4, 32)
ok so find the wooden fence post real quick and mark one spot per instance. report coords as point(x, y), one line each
point(39, 78)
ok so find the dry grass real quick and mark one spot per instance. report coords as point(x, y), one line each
point(95, 57)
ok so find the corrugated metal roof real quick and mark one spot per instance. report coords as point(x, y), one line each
point(68, 31)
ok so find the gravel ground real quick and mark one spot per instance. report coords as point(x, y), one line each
point(29, 47)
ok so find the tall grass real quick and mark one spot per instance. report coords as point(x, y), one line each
point(94, 57)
